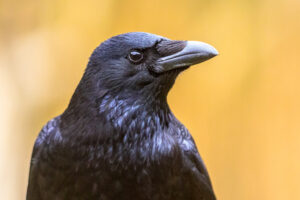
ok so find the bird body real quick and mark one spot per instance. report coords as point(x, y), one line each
point(118, 138)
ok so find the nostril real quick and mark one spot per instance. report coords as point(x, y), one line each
point(169, 47)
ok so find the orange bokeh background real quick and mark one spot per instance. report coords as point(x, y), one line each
point(242, 107)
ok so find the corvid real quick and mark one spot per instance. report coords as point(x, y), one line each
point(118, 139)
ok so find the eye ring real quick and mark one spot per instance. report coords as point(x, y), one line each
point(135, 56)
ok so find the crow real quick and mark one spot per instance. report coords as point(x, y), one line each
point(118, 139)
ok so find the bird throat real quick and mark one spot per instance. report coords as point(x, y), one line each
point(135, 114)
point(121, 115)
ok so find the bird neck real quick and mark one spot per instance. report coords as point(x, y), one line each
point(90, 114)
point(127, 111)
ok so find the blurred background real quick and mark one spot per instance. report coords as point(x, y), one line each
point(242, 107)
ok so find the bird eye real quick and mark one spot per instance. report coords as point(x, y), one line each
point(135, 56)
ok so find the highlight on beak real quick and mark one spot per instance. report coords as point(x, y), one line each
point(191, 53)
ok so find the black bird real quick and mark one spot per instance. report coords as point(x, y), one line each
point(118, 138)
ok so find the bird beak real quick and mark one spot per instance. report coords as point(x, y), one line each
point(190, 54)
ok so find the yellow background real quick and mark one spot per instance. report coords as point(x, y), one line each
point(242, 107)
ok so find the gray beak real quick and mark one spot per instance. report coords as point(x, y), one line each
point(192, 53)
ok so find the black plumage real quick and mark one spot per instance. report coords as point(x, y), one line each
point(118, 138)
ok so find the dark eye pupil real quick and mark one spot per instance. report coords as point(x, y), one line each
point(135, 56)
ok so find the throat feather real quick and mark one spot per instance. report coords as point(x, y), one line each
point(138, 115)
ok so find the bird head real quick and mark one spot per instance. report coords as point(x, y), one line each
point(127, 80)
point(143, 64)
